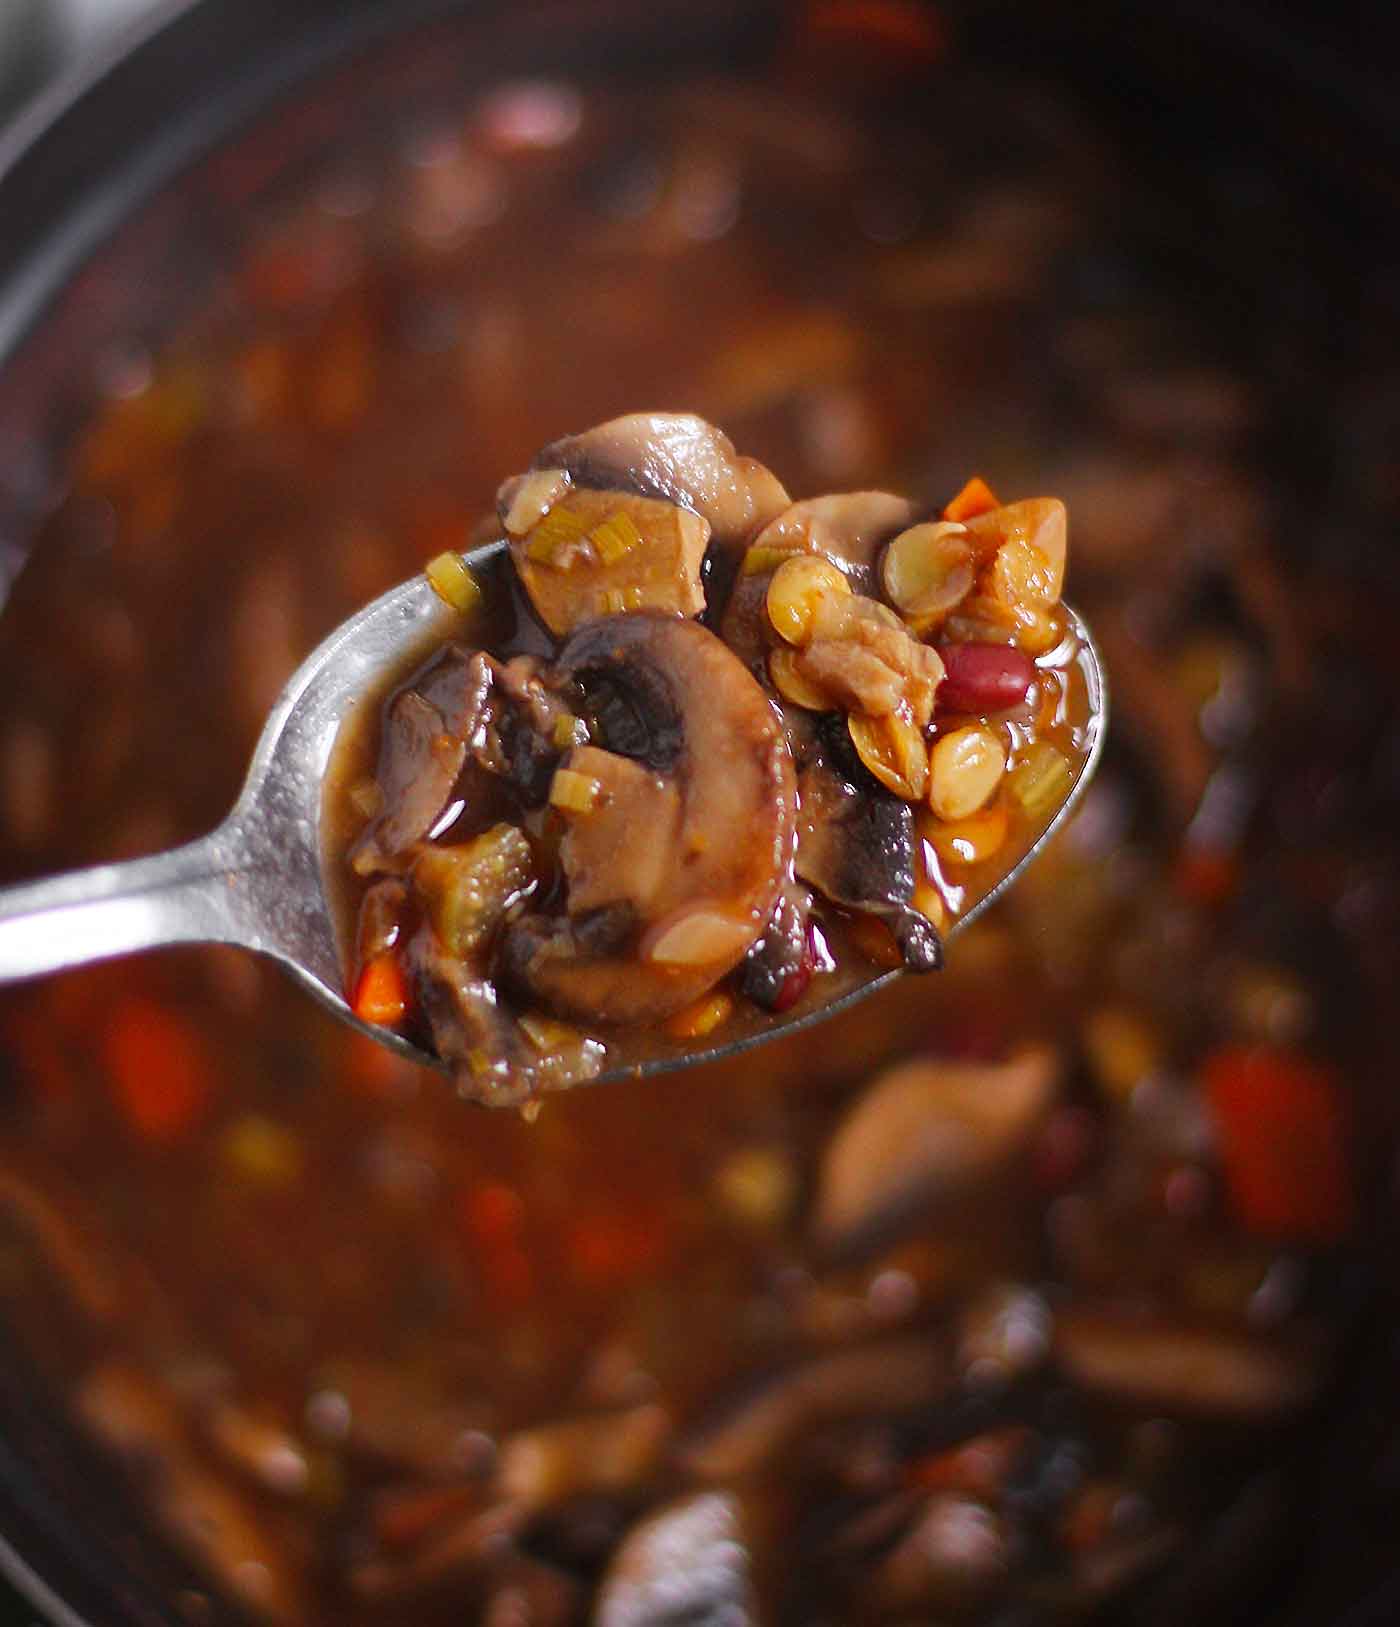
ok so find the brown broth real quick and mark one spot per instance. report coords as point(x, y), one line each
point(205, 1180)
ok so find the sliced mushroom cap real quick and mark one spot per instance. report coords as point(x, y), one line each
point(496, 1058)
point(468, 1022)
point(674, 869)
point(1207, 1372)
point(467, 724)
point(881, 1378)
point(855, 839)
point(140, 1424)
point(924, 1131)
point(424, 747)
point(687, 1565)
point(849, 528)
point(595, 552)
point(679, 458)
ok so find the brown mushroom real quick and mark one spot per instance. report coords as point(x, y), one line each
point(924, 1131)
point(1169, 1366)
point(496, 1058)
point(678, 458)
point(884, 1377)
point(855, 839)
point(674, 860)
point(848, 528)
point(595, 552)
point(140, 1425)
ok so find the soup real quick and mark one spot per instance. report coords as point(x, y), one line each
point(665, 822)
point(989, 1300)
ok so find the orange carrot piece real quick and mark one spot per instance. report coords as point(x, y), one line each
point(1284, 1134)
point(609, 1247)
point(158, 1070)
point(1205, 877)
point(976, 497)
point(381, 991)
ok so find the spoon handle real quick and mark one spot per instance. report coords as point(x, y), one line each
point(191, 894)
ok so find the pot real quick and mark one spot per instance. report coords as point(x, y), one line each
point(1268, 158)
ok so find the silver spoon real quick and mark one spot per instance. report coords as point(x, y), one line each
point(258, 881)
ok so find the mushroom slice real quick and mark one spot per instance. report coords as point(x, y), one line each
point(687, 1564)
point(923, 1131)
point(1202, 1371)
point(678, 458)
point(432, 732)
point(855, 840)
point(495, 1058)
point(881, 1378)
point(136, 1421)
point(674, 865)
point(596, 552)
point(849, 528)
point(419, 762)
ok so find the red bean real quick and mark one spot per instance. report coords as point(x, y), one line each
point(794, 985)
point(983, 677)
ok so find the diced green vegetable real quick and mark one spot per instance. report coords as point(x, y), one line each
point(468, 888)
point(453, 581)
point(569, 731)
point(616, 537)
point(556, 531)
point(1039, 780)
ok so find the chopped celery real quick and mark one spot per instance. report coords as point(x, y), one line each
point(468, 888)
point(560, 528)
point(616, 537)
point(453, 582)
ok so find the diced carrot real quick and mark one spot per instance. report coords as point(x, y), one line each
point(493, 1212)
point(976, 497)
point(615, 1247)
point(1284, 1136)
point(158, 1070)
point(701, 1017)
point(876, 942)
point(1206, 877)
point(492, 1215)
point(979, 1467)
point(381, 991)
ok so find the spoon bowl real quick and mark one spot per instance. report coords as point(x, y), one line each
point(259, 880)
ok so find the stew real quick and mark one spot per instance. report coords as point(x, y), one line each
point(1005, 1297)
point(575, 857)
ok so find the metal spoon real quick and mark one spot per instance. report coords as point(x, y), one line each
point(258, 880)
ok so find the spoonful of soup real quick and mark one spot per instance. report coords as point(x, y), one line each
point(669, 765)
